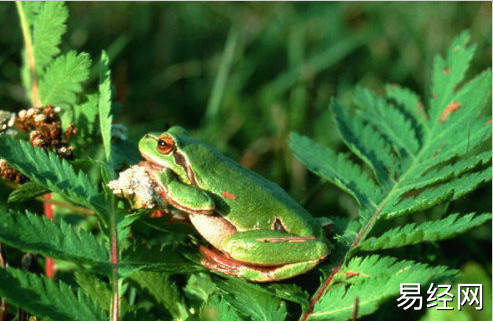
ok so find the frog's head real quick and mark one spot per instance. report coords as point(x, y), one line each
point(164, 150)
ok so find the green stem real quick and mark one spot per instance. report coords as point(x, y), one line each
point(31, 64)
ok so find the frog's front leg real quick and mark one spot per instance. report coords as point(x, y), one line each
point(187, 198)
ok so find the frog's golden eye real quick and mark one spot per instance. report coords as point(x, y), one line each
point(165, 144)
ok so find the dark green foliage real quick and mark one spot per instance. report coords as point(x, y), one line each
point(47, 298)
point(242, 76)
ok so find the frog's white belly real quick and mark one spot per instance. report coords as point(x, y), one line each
point(215, 229)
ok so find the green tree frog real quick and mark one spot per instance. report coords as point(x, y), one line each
point(258, 231)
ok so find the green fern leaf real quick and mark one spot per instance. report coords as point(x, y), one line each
point(46, 298)
point(336, 168)
point(448, 73)
point(217, 309)
point(57, 239)
point(394, 125)
point(418, 160)
point(409, 102)
point(163, 259)
point(372, 280)
point(48, 28)
point(105, 117)
point(99, 291)
point(55, 174)
point(63, 79)
point(164, 291)
point(252, 301)
point(411, 234)
point(26, 192)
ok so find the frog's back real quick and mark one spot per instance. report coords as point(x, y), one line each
point(249, 199)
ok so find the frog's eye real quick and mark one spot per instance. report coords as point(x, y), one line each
point(165, 144)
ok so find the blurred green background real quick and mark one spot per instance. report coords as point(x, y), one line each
point(242, 76)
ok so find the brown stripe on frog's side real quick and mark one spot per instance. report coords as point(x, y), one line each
point(181, 160)
point(289, 239)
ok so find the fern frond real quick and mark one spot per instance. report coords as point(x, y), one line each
point(430, 231)
point(366, 143)
point(252, 301)
point(218, 309)
point(164, 291)
point(26, 192)
point(408, 201)
point(63, 78)
point(48, 28)
point(445, 157)
point(410, 104)
point(99, 291)
point(448, 73)
point(105, 117)
point(336, 168)
point(165, 259)
point(372, 279)
point(47, 298)
point(388, 120)
point(48, 170)
point(57, 239)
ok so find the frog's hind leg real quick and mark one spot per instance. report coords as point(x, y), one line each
point(223, 263)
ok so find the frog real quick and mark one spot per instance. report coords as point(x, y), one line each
point(252, 227)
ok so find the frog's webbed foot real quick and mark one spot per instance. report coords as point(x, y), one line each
point(221, 262)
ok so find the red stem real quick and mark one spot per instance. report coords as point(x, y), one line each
point(334, 271)
point(49, 263)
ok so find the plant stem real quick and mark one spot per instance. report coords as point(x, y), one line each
point(77, 209)
point(49, 213)
point(114, 261)
point(26, 33)
point(3, 303)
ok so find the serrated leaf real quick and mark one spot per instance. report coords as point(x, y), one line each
point(63, 79)
point(27, 191)
point(218, 309)
point(48, 28)
point(85, 115)
point(99, 291)
point(410, 103)
point(367, 143)
point(252, 301)
point(411, 234)
point(57, 239)
point(449, 72)
point(388, 120)
point(164, 291)
point(47, 298)
point(48, 170)
point(434, 159)
point(105, 117)
point(372, 280)
point(336, 168)
point(167, 259)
